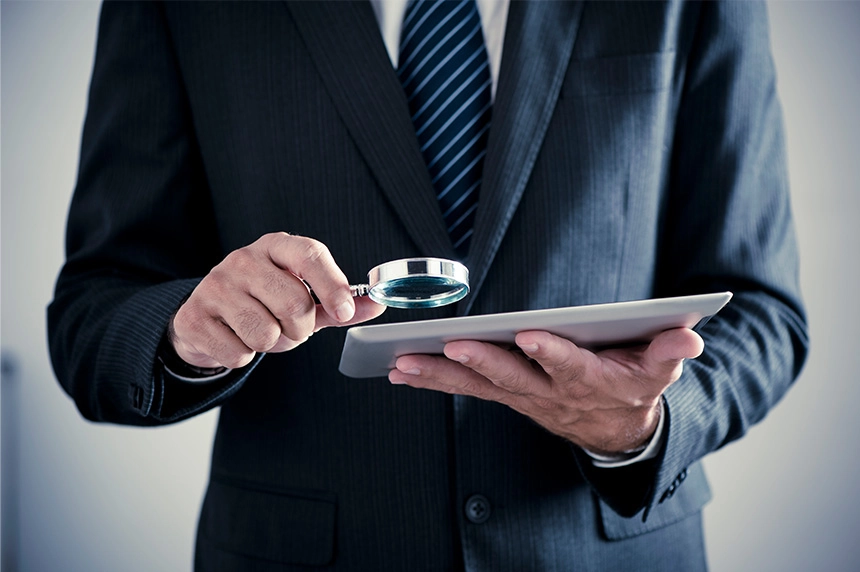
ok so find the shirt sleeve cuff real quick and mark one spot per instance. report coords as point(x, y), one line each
point(624, 459)
point(198, 377)
point(178, 369)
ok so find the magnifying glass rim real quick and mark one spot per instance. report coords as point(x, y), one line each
point(430, 267)
point(448, 270)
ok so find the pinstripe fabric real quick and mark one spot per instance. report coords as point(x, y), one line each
point(446, 76)
point(212, 123)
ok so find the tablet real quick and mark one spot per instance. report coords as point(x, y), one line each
point(370, 351)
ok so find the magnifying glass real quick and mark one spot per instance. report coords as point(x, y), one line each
point(415, 283)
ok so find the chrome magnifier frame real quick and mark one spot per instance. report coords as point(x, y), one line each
point(415, 283)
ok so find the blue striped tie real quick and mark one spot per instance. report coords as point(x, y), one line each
point(446, 76)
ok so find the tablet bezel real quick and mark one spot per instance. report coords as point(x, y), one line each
point(371, 351)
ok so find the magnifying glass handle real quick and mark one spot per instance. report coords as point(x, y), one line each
point(359, 290)
point(355, 289)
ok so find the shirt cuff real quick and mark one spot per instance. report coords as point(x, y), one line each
point(623, 459)
point(198, 377)
point(177, 368)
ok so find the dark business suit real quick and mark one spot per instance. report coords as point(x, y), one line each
point(636, 151)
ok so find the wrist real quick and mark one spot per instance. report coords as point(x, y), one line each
point(178, 367)
point(646, 451)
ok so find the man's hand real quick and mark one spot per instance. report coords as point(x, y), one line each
point(257, 300)
point(606, 402)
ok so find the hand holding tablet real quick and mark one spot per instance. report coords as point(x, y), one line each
point(593, 375)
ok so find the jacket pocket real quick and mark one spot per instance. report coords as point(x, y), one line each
point(687, 500)
point(278, 525)
point(620, 75)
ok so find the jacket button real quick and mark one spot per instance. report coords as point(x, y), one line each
point(478, 509)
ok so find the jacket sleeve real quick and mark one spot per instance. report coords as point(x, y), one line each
point(727, 226)
point(140, 233)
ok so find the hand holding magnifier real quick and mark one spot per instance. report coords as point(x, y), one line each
point(415, 283)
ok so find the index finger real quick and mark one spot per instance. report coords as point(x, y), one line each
point(311, 261)
point(503, 368)
point(555, 354)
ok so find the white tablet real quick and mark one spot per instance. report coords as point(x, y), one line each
point(370, 351)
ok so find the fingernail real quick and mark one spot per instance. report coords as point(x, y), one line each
point(461, 358)
point(529, 348)
point(345, 312)
point(412, 371)
point(396, 382)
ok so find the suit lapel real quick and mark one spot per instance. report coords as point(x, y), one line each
point(345, 44)
point(538, 42)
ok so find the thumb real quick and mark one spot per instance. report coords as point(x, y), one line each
point(666, 353)
point(365, 309)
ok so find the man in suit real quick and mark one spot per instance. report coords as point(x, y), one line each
point(633, 151)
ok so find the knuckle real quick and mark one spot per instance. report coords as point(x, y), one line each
point(512, 382)
point(450, 390)
point(228, 352)
point(276, 282)
point(297, 317)
point(311, 252)
point(256, 332)
point(240, 261)
point(297, 331)
point(223, 353)
point(190, 320)
point(236, 359)
point(273, 239)
point(466, 387)
point(213, 291)
point(569, 371)
point(296, 307)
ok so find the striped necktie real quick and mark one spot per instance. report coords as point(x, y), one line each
point(445, 73)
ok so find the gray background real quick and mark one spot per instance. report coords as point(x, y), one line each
point(100, 497)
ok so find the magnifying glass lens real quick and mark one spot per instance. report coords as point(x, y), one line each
point(418, 291)
point(418, 283)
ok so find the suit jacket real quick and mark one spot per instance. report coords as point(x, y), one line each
point(636, 151)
